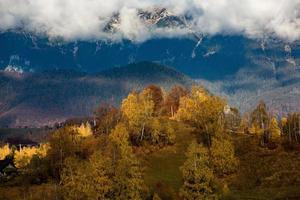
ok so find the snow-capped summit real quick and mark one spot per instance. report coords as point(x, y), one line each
point(156, 17)
point(15, 69)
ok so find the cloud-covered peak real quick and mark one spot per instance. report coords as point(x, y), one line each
point(139, 20)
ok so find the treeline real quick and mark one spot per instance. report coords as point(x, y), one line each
point(98, 159)
point(272, 130)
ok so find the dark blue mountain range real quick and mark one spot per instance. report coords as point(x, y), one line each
point(241, 69)
point(214, 58)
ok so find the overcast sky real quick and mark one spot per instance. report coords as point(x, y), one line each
point(85, 19)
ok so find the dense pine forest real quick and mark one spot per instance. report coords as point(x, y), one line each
point(176, 144)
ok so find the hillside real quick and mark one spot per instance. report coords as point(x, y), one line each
point(34, 99)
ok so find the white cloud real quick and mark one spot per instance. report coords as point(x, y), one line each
point(85, 19)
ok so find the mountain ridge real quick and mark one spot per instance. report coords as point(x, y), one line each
point(37, 99)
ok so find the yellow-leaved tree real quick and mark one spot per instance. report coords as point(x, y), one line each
point(87, 179)
point(198, 177)
point(128, 176)
point(274, 128)
point(138, 110)
point(112, 172)
point(223, 159)
point(5, 151)
point(24, 155)
point(84, 130)
point(204, 112)
point(259, 119)
point(155, 94)
point(120, 137)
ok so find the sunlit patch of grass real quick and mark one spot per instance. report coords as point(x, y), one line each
point(162, 173)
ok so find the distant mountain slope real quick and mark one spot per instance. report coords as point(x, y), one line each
point(243, 70)
point(146, 72)
point(277, 84)
point(209, 58)
point(34, 99)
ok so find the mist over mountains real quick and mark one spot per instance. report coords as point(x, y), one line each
point(38, 99)
point(242, 62)
point(140, 20)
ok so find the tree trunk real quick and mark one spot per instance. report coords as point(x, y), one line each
point(142, 134)
point(290, 137)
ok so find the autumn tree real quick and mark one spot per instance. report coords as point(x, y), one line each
point(87, 180)
point(74, 179)
point(260, 115)
point(24, 155)
point(203, 111)
point(172, 100)
point(198, 177)
point(112, 172)
point(291, 128)
point(223, 158)
point(274, 129)
point(64, 143)
point(244, 124)
point(232, 119)
point(259, 119)
point(106, 117)
point(138, 110)
point(161, 131)
point(128, 178)
point(5, 151)
point(260, 122)
point(84, 130)
point(155, 94)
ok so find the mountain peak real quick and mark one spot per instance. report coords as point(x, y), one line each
point(156, 16)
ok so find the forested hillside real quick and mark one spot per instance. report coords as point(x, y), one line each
point(178, 144)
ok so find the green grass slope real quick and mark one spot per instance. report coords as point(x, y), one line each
point(262, 174)
point(162, 174)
